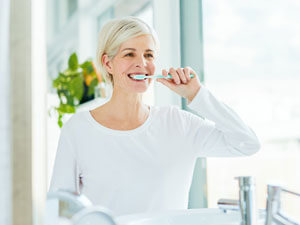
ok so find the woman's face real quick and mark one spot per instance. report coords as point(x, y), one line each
point(135, 56)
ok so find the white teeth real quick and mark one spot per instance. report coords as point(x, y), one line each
point(135, 79)
point(129, 75)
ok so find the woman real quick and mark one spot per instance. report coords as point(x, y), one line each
point(131, 157)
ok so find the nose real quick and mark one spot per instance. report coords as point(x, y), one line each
point(140, 61)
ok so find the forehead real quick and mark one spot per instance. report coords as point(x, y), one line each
point(142, 42)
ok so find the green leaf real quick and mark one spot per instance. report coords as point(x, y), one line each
point(62, 75)
point(70, 99)
point(56, 83)
point(65, 108)
point(76, 87)
point(69, 72)
point(59, 122)
point(73, 62)
point(92, 86)
point(90, 68)
point(87, 66)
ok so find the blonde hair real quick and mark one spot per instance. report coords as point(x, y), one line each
point(113, 34)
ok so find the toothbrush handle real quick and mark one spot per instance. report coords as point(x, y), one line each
point(170, 77)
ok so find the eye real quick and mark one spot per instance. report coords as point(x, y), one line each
point(129, 54)
point(149, 55)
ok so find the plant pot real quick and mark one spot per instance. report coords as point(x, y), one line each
point(85, 97)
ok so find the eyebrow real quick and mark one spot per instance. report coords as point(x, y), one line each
point(133, 49)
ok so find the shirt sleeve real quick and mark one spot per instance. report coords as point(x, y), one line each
point(65, 175)
point(222, 133)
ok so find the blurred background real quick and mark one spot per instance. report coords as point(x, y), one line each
point(251, 54)
point(245, 52)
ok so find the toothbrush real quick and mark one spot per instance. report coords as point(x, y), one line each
point(142, 76)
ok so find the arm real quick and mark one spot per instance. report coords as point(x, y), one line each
point(65, 172)
point(225, 134)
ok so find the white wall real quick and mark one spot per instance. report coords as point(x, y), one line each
point(5, 175)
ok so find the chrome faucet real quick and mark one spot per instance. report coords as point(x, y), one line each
point(246, 203)
point(247, 200)
point(273, 210)
point(81, 210)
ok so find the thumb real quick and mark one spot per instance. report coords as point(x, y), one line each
point(165, 82)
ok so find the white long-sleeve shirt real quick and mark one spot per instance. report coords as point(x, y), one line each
point(149, 168)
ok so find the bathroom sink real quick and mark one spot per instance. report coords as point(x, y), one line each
point(204, 216)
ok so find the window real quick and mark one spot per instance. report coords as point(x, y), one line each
point(146, 14)
point(104, 17)
point(72, 7)
point(251, 55)
point(63, 10)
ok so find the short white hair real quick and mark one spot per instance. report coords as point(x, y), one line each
point(114, 33)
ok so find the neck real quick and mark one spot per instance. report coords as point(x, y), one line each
point(127, 107)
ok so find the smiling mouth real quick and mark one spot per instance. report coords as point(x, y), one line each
point(129, 75)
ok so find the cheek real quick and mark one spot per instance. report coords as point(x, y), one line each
point(122, 66)
point(152, 68)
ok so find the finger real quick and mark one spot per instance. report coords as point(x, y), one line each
point(166, 82)
point(181, 75)
point(174, 75)
point(187, 73)
point(193, 72)
point(165, 74)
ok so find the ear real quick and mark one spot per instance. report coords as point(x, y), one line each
point(107, 63)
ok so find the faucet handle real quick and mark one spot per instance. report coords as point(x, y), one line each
point(228, 204)
point(273, 208)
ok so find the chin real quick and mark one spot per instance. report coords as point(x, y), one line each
point(140, 89)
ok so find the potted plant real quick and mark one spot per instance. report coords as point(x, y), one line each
point(75, 85)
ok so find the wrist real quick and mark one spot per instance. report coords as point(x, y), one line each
point(190, 98)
